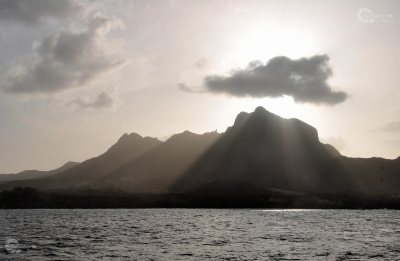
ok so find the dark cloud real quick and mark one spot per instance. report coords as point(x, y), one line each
point(103, 100)
point(33, 12)
point(391, 127)
point(304, 79)
point(65, 60)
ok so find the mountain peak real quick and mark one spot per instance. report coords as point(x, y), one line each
point(69, 164)
point(261, 112)
point(189, 137)
point(125, 137)
point(241, 118)
point(258, 116)
point(182, 136)
point(262, 124)
point(260, 109)
point(126, 140)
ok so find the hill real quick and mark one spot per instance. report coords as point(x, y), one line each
point(34, 174)
point(262, 160)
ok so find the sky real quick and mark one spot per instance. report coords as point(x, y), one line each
point(76, 75)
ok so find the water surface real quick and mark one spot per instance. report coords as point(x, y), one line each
point(199, 234)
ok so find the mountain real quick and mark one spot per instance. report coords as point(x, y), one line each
point(34, 174)
point(261, 151)
point(267, 151)
point(158, 169)
point(260, 158)
point(127, 148)
point(373, 176)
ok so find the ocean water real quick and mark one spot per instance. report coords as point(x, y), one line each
point(199, 234)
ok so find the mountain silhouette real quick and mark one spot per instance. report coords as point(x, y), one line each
point(264, 149)
point(127, 148)
point(158, 169)
point(373, 176)
point(260, 149)
point(34, 174)
point(260, 154)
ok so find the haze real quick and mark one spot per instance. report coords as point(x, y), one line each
point(76, 75)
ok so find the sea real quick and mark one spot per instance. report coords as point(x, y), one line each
point(199, 234)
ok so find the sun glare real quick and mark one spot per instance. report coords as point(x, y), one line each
point(257, 42)
point(284, 106)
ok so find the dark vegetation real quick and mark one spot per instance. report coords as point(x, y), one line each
point(20, 198)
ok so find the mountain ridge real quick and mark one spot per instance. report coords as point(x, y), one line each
point(127, 147)
point(261, 150)
point(32, 174)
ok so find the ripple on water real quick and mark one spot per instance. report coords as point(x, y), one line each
point(182, 234)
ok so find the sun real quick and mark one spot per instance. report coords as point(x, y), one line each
point(262, 41)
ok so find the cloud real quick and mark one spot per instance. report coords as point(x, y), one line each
point(103, 100)
point(391, 127)
point(304, 79)
point(33, 12)
point(185, 88)
point(202, 63)
point(66, 59)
